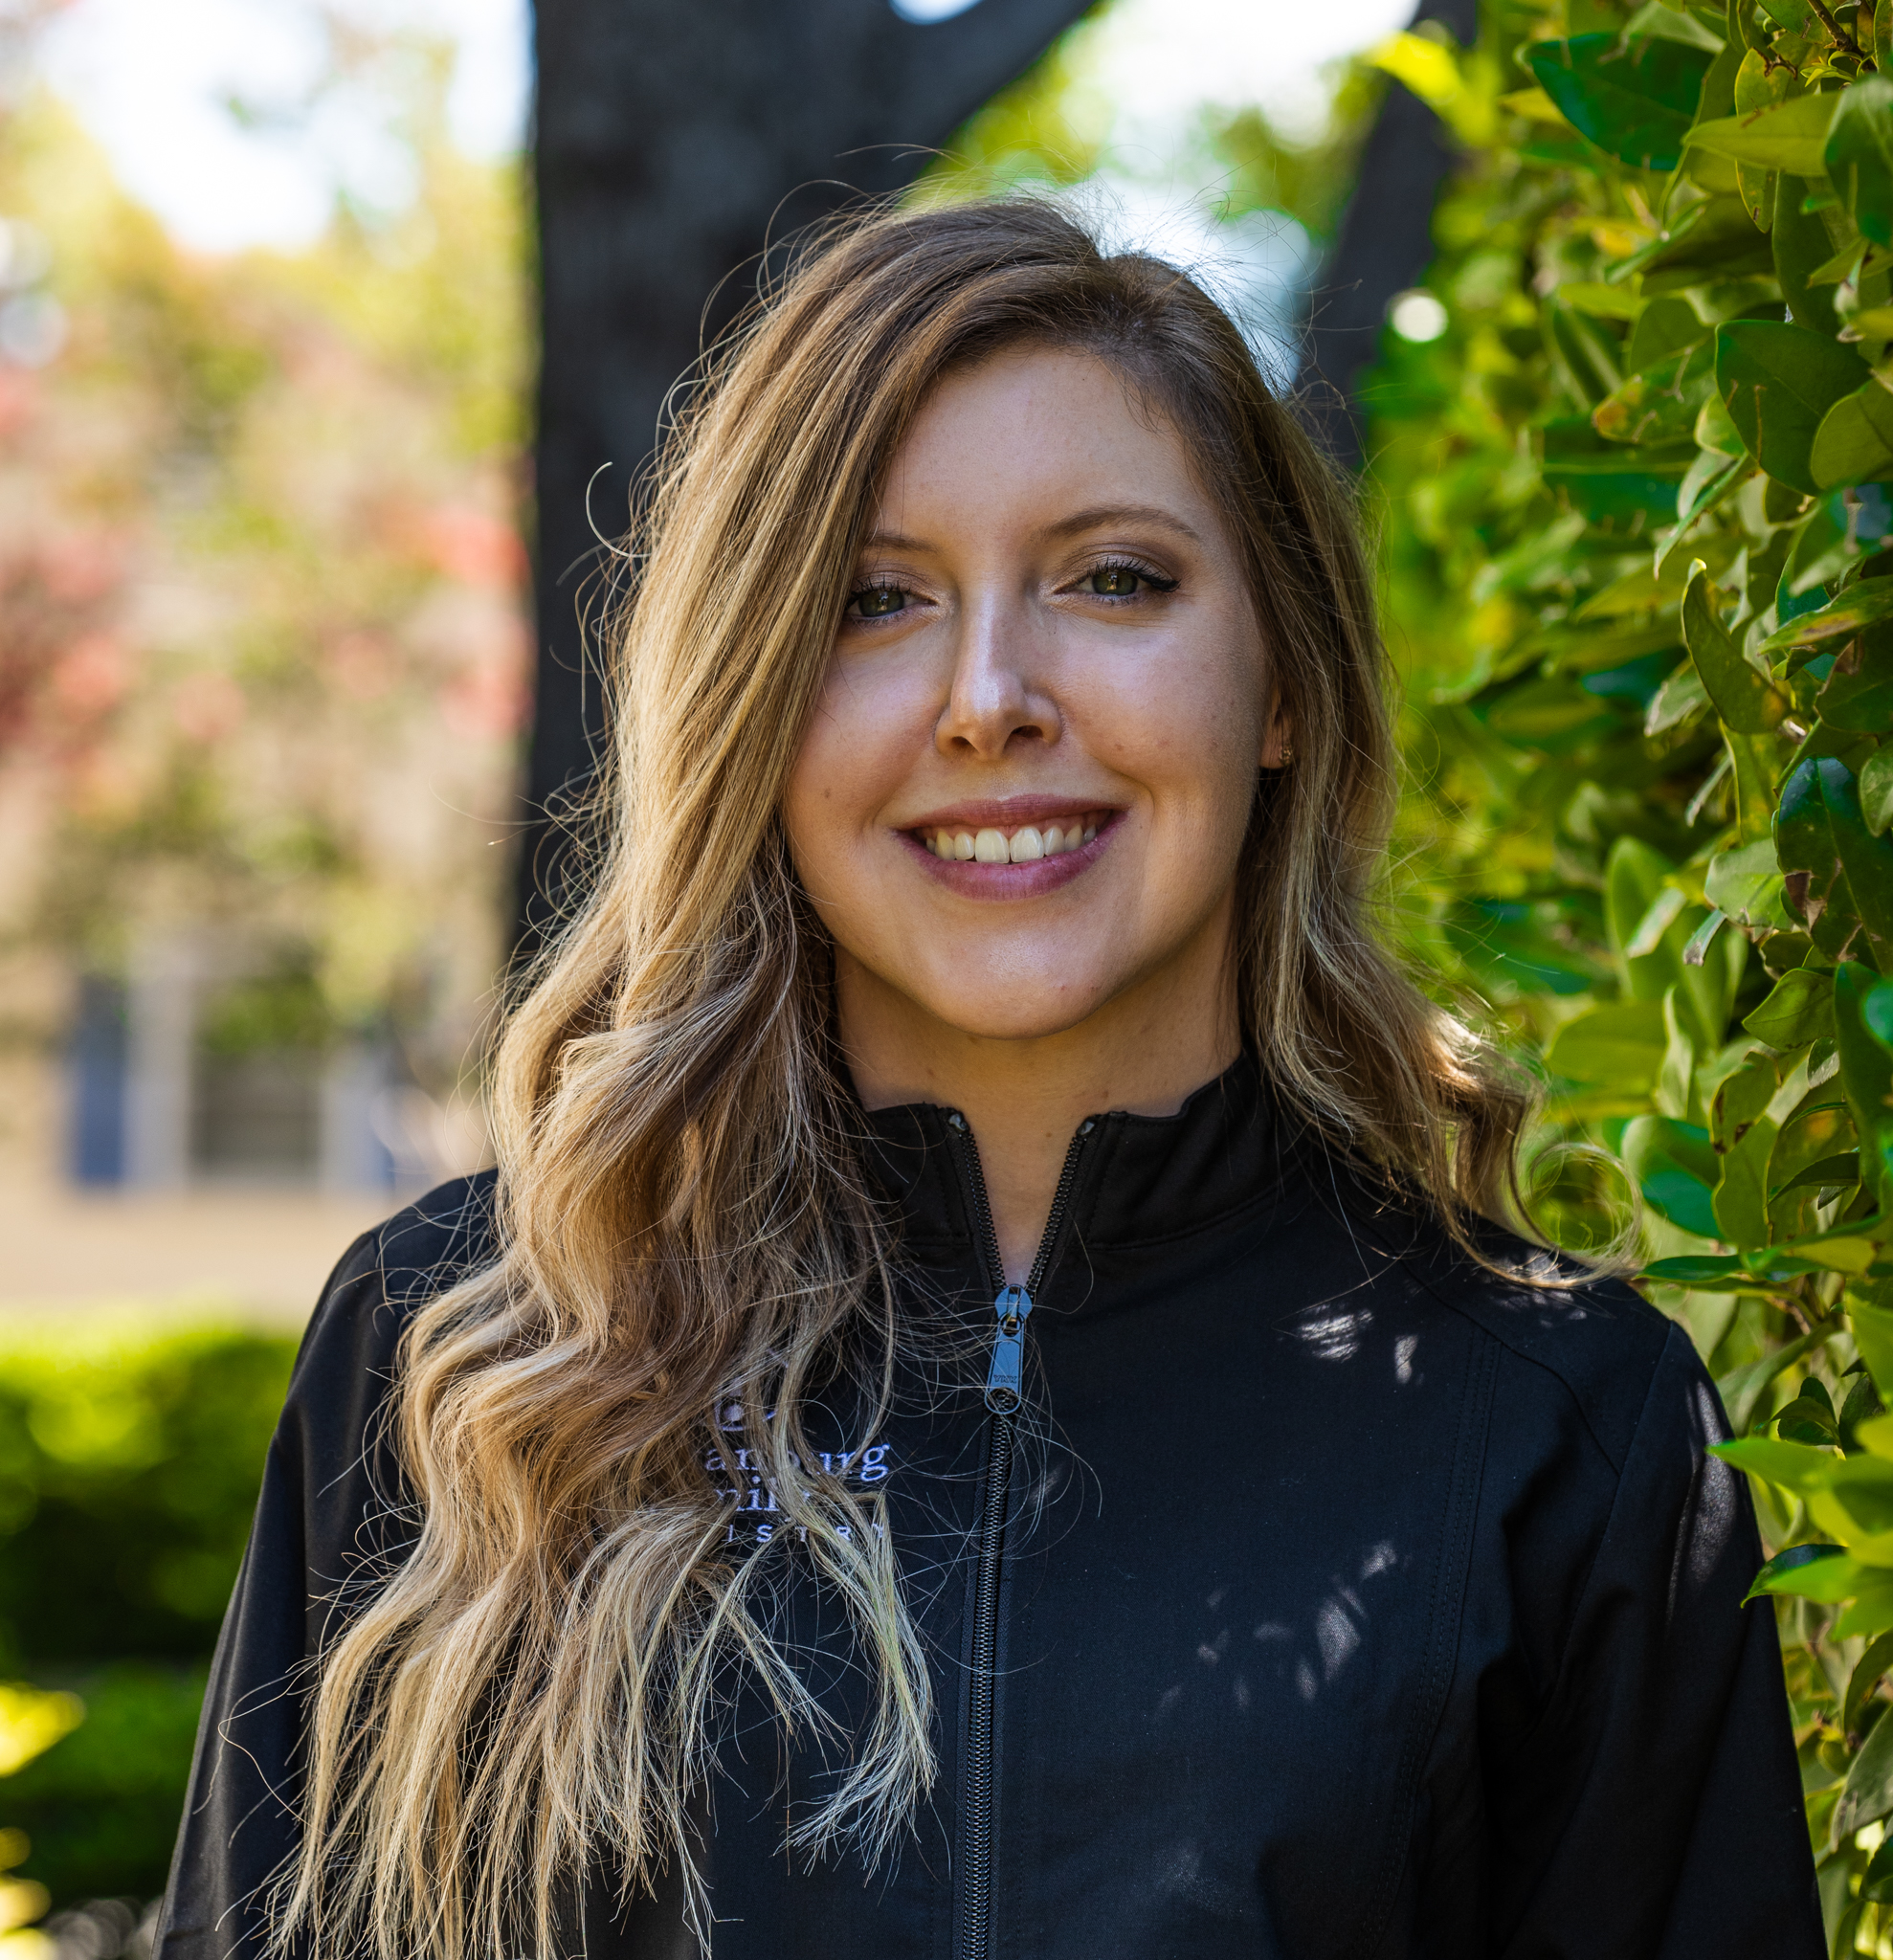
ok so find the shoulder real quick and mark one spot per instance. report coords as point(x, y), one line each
point(346, 1361)
point(409, 1259)
point(1624, 1366)
point(437, 1241)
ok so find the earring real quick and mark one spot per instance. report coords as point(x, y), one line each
point(1287, 756)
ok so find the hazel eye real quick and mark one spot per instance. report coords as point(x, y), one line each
point(1122, 582)
point(877, 602)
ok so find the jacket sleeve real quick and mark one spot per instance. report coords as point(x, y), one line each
point(324, 1497)
point(1653, 1809)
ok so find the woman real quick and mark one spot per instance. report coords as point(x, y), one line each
point(982, 1413)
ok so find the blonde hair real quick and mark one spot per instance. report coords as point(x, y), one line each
point(682, 1215)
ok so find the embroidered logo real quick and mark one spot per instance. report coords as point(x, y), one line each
point(741, 1482)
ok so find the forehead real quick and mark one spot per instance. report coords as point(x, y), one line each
point(1033, 427)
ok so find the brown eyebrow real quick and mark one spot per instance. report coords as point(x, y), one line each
point(1120, 514)
point(1065, 527)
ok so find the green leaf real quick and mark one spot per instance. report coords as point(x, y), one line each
point(1799, 1009)
point(1801, 247)
point(1634, 875)
point(1866, 859)
point(1877, 1013)
point(1875, 784)
point(1805, 1420)
point(1679, 698)
point(1830, 1172)
point(1804, 844)
point(1854, 443)
point(1613, 481)
point(1622, 1043)
point(1744, 695)
point(1789, 136)
point(1634, 98)
point(1777, 382)
point(1744, 1133)
point(1704, 938)
point(1711, 477)
point(1661, 404)
point(1866, 1067)
point(1859, 693)
point(1587, 353)
point(1756, 760)
point(1864, 603)
point(1695, 1269)
point(1862, 1404)
point(1742, 1387)
point(1674, 1165)
point(1798, 1467)
point(1865, 1677)
point(1859, 155)
point(1746, 883)
point(1873, 1335)
point(1665, 327)
point(1839, 875)
point(1868, 1792)
point(1714, 239)
point(1871, 1611)
point(1809, 1136)
point(1853, 1249)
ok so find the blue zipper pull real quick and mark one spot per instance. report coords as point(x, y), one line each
point(1005, 1379)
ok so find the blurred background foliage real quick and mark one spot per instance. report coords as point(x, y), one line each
point(255, 671)
point(130, 1458)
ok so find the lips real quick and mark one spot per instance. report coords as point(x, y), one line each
point(1018, 847)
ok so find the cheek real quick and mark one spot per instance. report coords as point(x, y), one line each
point(1188, 727)
point(854, 755)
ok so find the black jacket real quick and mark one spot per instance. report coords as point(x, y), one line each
point(1330, 1598)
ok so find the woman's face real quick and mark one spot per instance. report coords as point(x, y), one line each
point(1023, 792)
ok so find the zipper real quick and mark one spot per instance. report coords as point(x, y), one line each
point(1012, 1308)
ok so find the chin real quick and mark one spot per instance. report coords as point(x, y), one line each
point(1007, 1017)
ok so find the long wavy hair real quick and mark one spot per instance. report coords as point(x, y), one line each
point(683, 1217)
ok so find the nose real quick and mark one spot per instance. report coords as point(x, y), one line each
point(995, 697)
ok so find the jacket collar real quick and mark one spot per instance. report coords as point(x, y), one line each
point(1141, 1179)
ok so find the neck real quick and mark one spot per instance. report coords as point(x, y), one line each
point(1145, 1051)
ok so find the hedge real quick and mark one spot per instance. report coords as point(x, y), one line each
point(1637, 510)
point(130, 1461)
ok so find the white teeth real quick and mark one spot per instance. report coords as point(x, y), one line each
point(1024, 846)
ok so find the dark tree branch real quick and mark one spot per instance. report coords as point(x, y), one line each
point(1385, 245)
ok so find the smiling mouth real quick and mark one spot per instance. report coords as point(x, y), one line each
point(1023, 844)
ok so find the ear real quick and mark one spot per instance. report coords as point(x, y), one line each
point(1278, 738)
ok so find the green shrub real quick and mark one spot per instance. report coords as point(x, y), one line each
point(1637, 514)
point(130, 1461)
